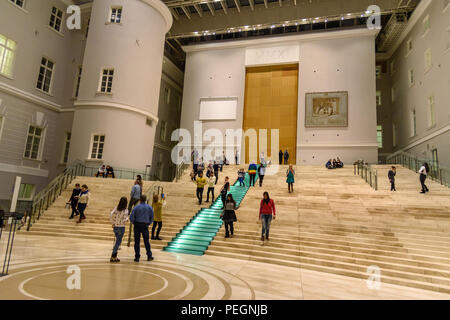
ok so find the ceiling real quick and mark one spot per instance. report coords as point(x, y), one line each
point(198, 21)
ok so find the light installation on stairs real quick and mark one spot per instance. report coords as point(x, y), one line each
point(199, 232)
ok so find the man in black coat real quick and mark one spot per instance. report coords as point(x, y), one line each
point(74, 200)
point(280, 157)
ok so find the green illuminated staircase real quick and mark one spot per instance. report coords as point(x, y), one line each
point(200, 231)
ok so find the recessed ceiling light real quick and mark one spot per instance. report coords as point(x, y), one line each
point(272, 27)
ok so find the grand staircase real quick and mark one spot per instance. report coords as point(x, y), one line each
point(200, 231)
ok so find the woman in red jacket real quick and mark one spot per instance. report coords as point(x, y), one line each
point(266, 214)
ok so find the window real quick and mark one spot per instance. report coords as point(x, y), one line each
point(163, 130)
point(106, 80)
point(413, 123)
point(44, 82)
point(7, 55)
point(34, 139)
point(19, 3)
point(428, 59)
point(98, 143)
point(409, 46)
point(379, 101)
point(167, 95)
point(411, 77)
point(56, 19)
point(431, 112)
point(394, 134)
point(378, 72)
point(426, 25)
point(380, 136)
point(26, 191)
point(116, 14)
point(78, 81)
point(66, 147)
point(393, 67)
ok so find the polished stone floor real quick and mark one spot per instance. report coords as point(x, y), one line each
point(40, 269)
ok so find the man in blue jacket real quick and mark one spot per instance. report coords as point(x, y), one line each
point(142, 217)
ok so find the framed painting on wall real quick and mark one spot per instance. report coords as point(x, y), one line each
point(326, 109)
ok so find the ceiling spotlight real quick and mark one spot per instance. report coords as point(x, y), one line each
point(349, 14)
point(272, 27)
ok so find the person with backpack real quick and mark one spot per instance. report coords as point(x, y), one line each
point(241, 177)
point(391, 176)
point(424, 171)
point(118, 218)
point(267, 213)
point(261, 173)
point(229, 216)
point(224, 191)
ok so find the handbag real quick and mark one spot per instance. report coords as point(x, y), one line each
point(68, 205)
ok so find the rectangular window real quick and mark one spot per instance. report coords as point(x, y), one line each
point(409, 46)
point(413, 124)
point(426, 25)
point(394, 134)
point(116, 14)
point(106, 80)
point(378, 72)
point(78, 81)
point(428, 59)
point(56, 19)
point(44, 82)
point(26, 191)
point(379, 101)
point(19, 3)
point(411, 77)
point(163, 130)
point(7, 55)
point(167, 95)
point(98, 143)
point(431, 112)
point(66, 147)
point(380, 136)
point(33, 144)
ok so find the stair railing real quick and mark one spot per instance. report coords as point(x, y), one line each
point(437, 172)
point(47, 196)
point(180, 170)
point(369, 174)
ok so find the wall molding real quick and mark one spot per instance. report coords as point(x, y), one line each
point(4, 167)
point(331, 145)
point(423, 140)
point(293, 39)
point(107, 104)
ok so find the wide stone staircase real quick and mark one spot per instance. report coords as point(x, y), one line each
point(335, 223)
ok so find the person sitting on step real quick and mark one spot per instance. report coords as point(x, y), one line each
point(109, 171)
point(101, 171)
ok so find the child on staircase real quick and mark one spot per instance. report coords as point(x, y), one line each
point(241, 177)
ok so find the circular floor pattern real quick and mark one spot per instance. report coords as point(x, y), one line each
point(162, 280)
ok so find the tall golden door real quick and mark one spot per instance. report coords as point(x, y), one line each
point(271, 102)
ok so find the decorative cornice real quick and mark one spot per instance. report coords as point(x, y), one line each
point(23, 170)
point(108, 104)
point(331, 145)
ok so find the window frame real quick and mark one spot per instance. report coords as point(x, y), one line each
point(111, 12)
point(409, 47)
point(56, 19)
point(431, 108)
point(33, 192)
point(23, 7)
point(428, 54)
point(378, 71)
point(167, 94)
point(413, 123)
point(379, 98)
point(50, 89)
point(427, 29)
point(380, 135)
point(109, 77)
point(91, 147)
point(393, 66)
point(163, 131)
point(66, 147)
point(3, 56)
point(40, 145)
point(411, 77)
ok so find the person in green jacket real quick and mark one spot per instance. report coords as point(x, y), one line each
point(290, 178)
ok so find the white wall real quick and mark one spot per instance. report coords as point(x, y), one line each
point(218, 70)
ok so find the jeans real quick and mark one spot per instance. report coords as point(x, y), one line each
point(229, 228)
point(81, 208)
point(159, 224)
point(252, 179)
point(141, 228)
point(392, 184)
point(422, 182)
point(216, 174)
point(210, 190)
point(200, 195)
point(266, 219)
point(241, 182)
point(73, 204)
point(118, 232)
point(261, 178)
point(132, 203)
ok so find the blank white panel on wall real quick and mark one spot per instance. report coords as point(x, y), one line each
point(218, 108)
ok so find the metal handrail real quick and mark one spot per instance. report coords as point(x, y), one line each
point(180, 170)
point(369, 174)
point(437, 172)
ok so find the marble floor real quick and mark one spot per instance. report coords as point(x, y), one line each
point(40, 269)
